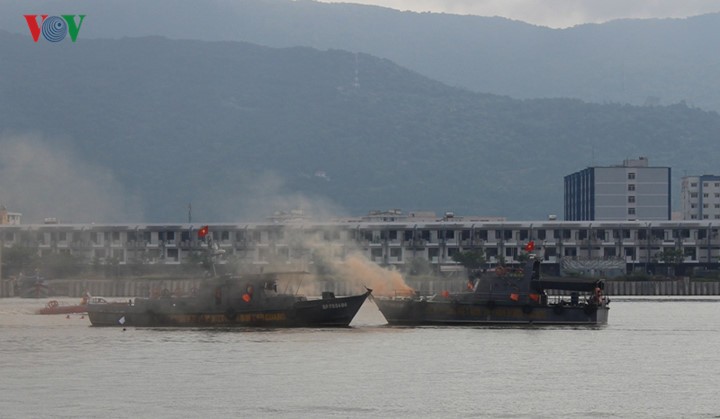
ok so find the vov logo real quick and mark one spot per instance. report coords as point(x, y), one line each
point(54, 28)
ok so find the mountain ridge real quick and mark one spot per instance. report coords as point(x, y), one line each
point(241, 130)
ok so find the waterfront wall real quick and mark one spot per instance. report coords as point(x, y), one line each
point(149, 287)
point(678, 287)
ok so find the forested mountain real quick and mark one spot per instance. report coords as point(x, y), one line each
point(653, 61)
point(149, 125)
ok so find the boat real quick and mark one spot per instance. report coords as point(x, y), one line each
point(247, 301)
point(62, 307)
point(505, 297)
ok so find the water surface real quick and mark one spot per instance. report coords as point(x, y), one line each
point(655, 358)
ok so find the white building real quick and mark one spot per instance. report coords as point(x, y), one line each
point(633, 245)
point(701, 197)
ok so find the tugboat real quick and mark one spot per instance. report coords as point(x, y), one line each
point(505, 296)
point(247, 301)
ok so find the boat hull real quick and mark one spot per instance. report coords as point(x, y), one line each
point(335, 312)
point(69, 309)
point(419, 312)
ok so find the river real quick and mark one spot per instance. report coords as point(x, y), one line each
point(657, 358)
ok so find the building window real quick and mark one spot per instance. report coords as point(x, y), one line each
point(631, 175)
point(705, 184)
point(631, 199)
point(693, 185)
point(693, 217)
point(693, 195)
point(705, 205)
point(717, 216)
point(631, 211)
point(717, 195)
point(706, 195)
point(717, 205)
point(705, 217)
point(631, 187)
point(693, 205)
point(717, 185)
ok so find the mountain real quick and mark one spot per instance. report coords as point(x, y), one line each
point(651, 61)
point(148, 125)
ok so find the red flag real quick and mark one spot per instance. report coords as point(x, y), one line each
point(203, 232)
point(530, 246)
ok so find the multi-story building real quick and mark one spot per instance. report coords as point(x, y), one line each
point(701, 197)
point(629, 245)
point(628, 192)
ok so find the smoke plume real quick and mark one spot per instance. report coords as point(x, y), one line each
point(42, 180)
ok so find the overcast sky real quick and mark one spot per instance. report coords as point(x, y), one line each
point(557, 13)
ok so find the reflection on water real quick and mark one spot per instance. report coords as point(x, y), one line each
point(653, 359)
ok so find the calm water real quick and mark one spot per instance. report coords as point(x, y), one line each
point(654, 359)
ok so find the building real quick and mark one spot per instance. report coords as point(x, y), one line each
point(9, 218)
point(700, 197)
point(628, 192)
point(598, 245)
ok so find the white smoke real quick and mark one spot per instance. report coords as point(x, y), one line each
point(40, 180)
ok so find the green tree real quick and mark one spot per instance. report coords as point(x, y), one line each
point(472, 260)
point(202, 261)
point(523, 257)
point(17, 259)
point(674, 257)
point(112, 266)
point(61, 265)
point(418, 266)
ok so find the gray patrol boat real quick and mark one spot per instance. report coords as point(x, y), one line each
point(505, 296)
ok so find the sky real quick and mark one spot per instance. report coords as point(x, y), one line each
point(556, 13)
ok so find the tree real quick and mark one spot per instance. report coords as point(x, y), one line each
point(523, 257)
point(201, 260)
point(472, 260)
point(418, 266)
point(19, 259)
point(673, 257)
point(112, 266)
point(61, 265)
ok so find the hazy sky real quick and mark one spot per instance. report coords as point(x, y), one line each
point(556, 13)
